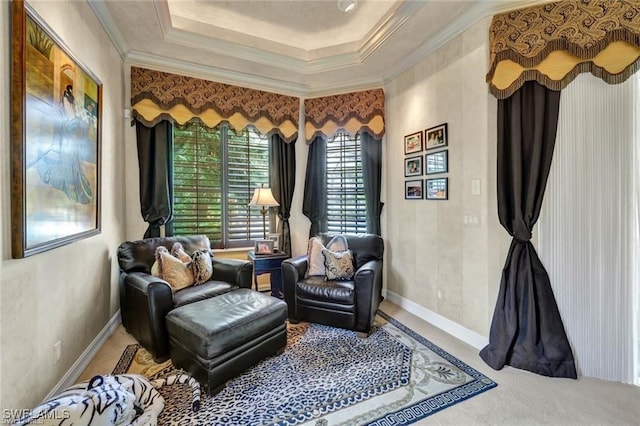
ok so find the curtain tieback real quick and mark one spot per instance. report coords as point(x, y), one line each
point(522, 236)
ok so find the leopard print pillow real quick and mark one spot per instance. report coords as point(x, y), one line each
point(201, 266)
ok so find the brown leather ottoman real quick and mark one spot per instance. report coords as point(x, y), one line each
point(218, 338)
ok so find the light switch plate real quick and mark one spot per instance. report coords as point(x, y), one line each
point(475, 187)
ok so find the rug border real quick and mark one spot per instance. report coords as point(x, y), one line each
point(126, 359)
point(449, 398)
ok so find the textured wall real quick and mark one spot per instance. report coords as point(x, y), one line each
point(69, 293)
point(433, 258)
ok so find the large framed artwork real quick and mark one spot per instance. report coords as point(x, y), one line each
point(55, 140)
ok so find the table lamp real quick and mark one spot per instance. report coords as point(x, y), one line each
point(263, 197)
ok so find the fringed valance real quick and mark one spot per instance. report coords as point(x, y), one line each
point(554, 42)
point(351, 112)
point(157, 96)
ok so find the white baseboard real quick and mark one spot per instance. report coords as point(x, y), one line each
point(71, 376)
point(472, 338)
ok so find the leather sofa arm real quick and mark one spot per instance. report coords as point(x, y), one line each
point(368, 285)
point(148, 300)
point(293, 270)
point(233, 271)
point(298, 266)
point(148, 284)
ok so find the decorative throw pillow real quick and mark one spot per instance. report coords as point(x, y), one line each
point(178, 251)
point(338, 264)
point(201, 266)
point(314, 253)
point(173, 270)
point(155, 269)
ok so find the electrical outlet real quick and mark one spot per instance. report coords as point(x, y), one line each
point(439, 294)
point(471, 219)
point(57, 351)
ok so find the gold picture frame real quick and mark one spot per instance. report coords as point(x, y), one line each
point(55, 140)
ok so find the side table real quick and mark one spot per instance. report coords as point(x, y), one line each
point(269, 264)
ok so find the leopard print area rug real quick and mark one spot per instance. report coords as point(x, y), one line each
point(327, 376)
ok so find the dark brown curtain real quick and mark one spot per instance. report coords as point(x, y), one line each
point(314, 205)
point(282, 179)
point(526, 331)
point(371, 155)
point(156, 175)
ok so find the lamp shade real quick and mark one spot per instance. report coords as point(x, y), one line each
point(263, 197)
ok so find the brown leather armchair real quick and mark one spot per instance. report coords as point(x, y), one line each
point(350, 304)
point(145, 300)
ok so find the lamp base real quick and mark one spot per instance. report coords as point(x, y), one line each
point(264, 222)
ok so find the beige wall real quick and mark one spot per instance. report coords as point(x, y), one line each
point(433, 258)
point(68, 293)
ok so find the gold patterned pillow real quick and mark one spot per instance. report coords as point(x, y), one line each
point(338, 264)
point(201, 266)
point(178, 251)
point(173, 270)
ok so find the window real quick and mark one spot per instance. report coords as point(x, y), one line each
point(215, 172)
point(346, 206)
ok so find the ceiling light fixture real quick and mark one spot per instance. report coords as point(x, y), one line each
point(347, 5)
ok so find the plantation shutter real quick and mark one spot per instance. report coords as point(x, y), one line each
point(248, 167)
point(346, 205)
point(197, 171)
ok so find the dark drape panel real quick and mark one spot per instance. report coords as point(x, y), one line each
point(156, 176)
point(371, 155)
point(526, 331)
point(314, 205)
point(282, 179)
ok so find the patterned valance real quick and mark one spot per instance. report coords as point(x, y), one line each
point(351, 112)
point(554, 42)
point(157, 95)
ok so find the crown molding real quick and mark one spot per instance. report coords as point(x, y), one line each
point(385, 28)
point(388, 26)
point(101, 11)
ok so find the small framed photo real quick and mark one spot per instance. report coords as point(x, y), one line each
point(413, 143)
point(413, 166)
point(275, 237)
point(264, 247)
point(438, 162)
point(437, 189)
point(436, 137)
point(413, 189)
